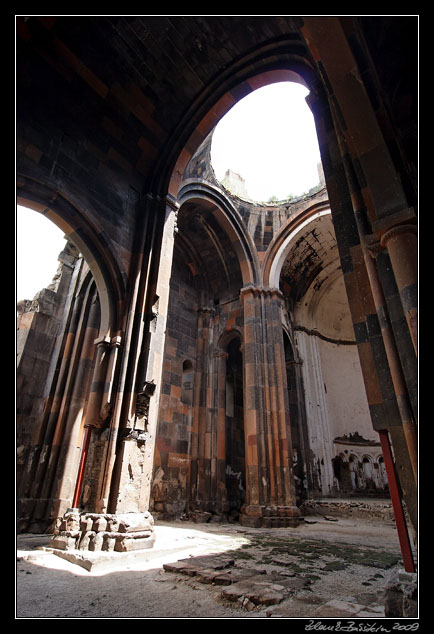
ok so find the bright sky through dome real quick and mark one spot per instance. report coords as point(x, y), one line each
point(38, 245)
point(269, 138)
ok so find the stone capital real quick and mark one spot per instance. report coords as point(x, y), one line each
point(104, 340)
point(397, 231)
point(172, 202)
point(115, 341)
point(403, 217)
point(260, 290)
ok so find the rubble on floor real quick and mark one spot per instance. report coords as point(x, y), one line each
point(286, 574)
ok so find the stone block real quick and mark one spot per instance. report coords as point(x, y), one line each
point(176, 566)
point(96, 542)
point(207, 575)
point(99, 524)
point(250, 522)
point(86, 523)
point(257, 589)
point(85, 540)
point(400, 598)
point(109, 542)
point(206, 561)
point(134, 522)
point(64, 542)
point(200, 517)
point(139, 541)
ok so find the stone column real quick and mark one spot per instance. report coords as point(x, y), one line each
point(131, 460)
point(92, 410)
point(219, 445)
point(65, 453)
point(200, 391)
point(401, 244)
point(270, 495)
point(320, 438)
point(97, 384)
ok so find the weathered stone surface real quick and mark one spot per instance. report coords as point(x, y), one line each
point(127, 532)
point(209, 575)
point(400, 599)
point(130, 522)
point(136, 542)
point(63, 542)
point(200, 517)
point(177, 566)
point(257, 589)
point(209, 562)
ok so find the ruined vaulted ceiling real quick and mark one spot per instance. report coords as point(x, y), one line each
point(126, 81)
point(105, 105)
point(208, 252)
point(310, 253)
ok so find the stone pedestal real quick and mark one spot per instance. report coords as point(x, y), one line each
point(270, 516)
point(104, 532)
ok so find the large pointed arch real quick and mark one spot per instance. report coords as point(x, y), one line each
point(277, 62)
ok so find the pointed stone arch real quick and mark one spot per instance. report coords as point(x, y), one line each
point(229, 220)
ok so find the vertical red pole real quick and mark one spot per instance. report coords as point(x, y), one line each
point(401, 526)
point(80, 475)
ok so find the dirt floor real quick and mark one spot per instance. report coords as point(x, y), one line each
point(325, 568)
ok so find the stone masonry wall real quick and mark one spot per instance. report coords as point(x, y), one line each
point(174, 426)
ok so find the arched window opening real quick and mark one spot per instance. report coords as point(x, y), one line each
point(38, 245)
point(187, 383)
point(58, 306)
point(265, 149)
point(368, 473)
point(354, 472)
point(382, 473)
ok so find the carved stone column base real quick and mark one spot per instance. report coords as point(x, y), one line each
point(270, 516)
point(104, 532)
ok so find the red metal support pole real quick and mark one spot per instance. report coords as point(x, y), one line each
point(401, 526)
point(84, 452)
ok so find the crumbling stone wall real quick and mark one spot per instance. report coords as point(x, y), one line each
point(39, 323)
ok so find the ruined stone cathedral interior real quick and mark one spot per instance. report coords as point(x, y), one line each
point(200, 354)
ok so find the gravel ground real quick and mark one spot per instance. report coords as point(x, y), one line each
point(346, 562)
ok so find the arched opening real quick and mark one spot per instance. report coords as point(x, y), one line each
point(368, 474)
point(265, 149)
point(298, 254)
point(341, 471)
point(382, 475)
point(353, 462)
point(39, 242)
point(187, 383)
point(89, 239)
point(234, 430)
point(62, 366)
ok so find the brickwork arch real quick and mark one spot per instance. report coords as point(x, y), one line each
point(230, 221)
point(281, 244)
point(260, 68)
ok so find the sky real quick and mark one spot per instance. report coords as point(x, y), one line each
point(268, 138)
point(38, 244)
